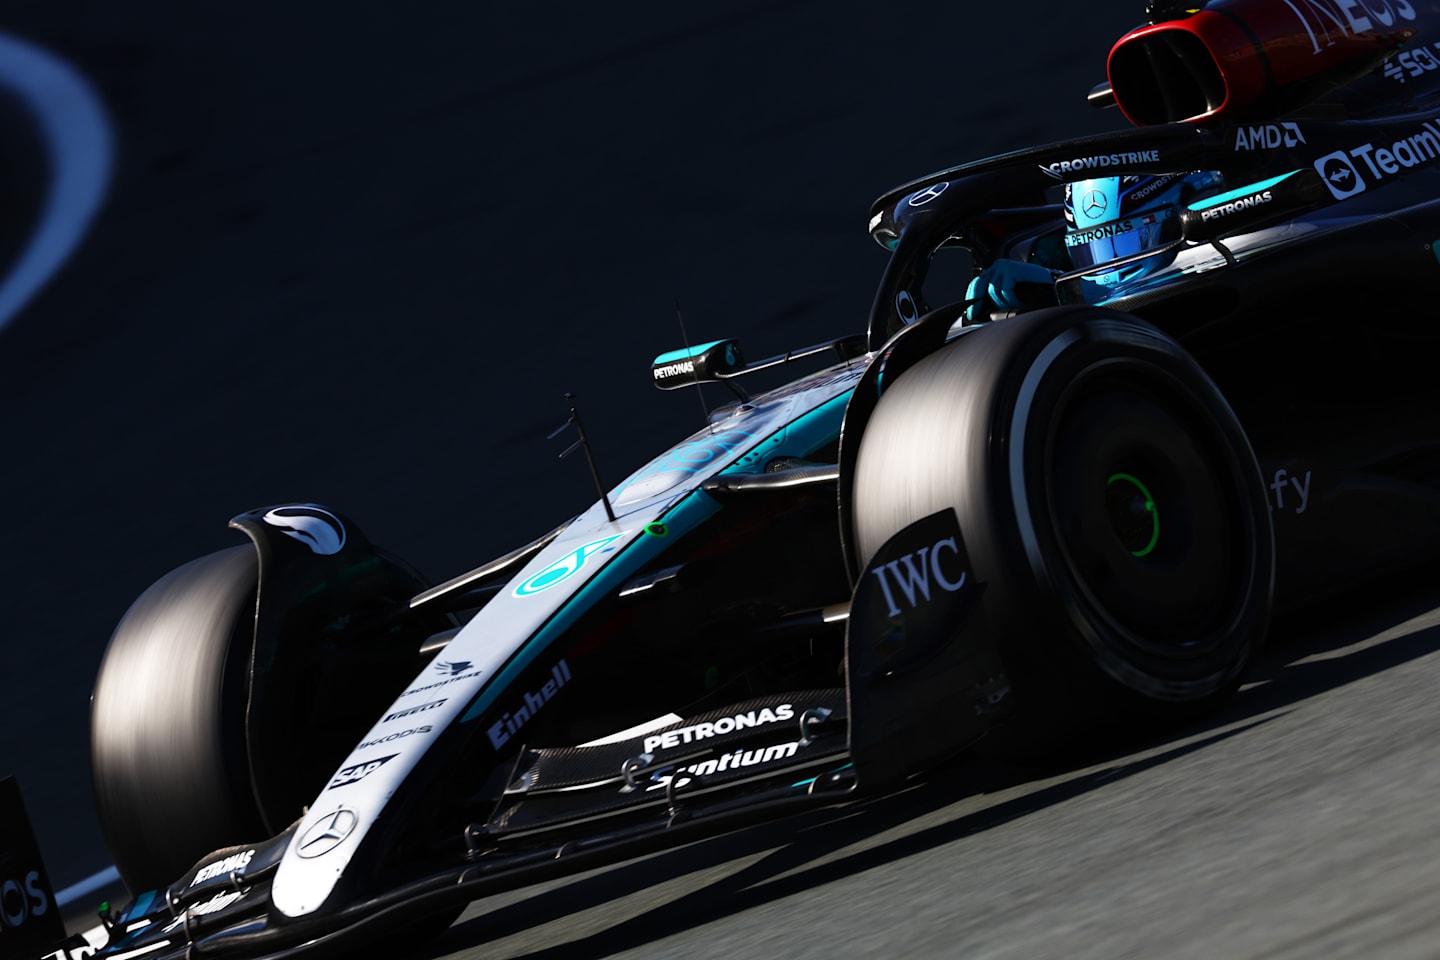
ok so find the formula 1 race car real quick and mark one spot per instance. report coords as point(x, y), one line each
point(974, 522)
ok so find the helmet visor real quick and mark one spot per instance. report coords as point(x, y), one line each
point(1097, 245)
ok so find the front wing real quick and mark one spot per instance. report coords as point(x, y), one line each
point(923, 682)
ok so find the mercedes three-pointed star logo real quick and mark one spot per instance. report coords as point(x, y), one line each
point(1094, 205)
point(326, 833)
point(929, 193)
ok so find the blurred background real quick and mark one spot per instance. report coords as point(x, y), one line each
point(356, 253)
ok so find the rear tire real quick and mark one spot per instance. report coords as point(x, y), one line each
point(168, 755)
point(1109, 501)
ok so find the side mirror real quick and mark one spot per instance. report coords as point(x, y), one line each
point(703, 364)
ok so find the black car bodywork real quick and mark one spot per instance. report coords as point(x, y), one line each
point(1021, 522)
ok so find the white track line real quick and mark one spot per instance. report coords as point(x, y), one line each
point(89, 885)
point(80, 147)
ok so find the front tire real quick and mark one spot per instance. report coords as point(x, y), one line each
point(168, 756)
point(1108, 499)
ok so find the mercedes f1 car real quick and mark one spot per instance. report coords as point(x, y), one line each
point(966, 524)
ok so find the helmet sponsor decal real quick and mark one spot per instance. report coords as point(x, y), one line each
point(1093, 204)
point(1076, 238)
point(1155, 185)
point(1106, 231)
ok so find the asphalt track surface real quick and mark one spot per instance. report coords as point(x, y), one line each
point(357, 254)
point(1299, 823)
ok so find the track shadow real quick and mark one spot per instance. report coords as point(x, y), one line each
point(1393, 619)
point(783, 872)
point(800, 848)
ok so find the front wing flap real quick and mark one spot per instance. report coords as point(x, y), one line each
point(565, 810)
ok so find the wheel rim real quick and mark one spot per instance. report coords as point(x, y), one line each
point(1144, 506)
point(1134, 515)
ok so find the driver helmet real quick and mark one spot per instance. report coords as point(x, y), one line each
point(1107, 218)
